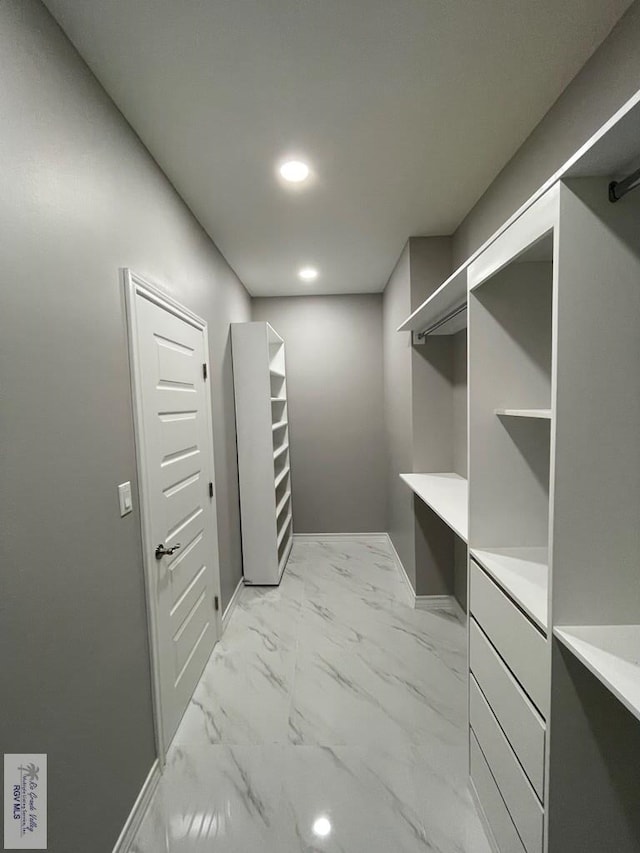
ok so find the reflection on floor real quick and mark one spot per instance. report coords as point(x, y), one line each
point(331, 717)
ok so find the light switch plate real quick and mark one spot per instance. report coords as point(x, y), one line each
point(124, 496)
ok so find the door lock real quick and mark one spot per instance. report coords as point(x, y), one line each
point(161, 551)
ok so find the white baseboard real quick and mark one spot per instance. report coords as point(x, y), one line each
point(336, 537)
point(401, 570)
point(448, 603)
point(138, 811)
point(233, 601)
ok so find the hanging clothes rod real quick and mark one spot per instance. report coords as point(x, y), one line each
point(619, 189)
point(431, 329)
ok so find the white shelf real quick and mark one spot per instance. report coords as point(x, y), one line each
point(283, 502)
point(544, 414)
point(278, 399)
point(612, 653)
point(524, 574)
point(280, 450)
point(281, 476)
point(447, 298)
point(276, 372)
point(279, 425)
point(284, 528)
point(446, 494)
point(285, 556)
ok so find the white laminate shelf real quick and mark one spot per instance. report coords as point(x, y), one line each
point(446, 494)
point(283, 503)
point(285, 555)
point(542, 414)
point(284, 528)
point(612, 653)
point(446, 299)
point(279, 425)
point(523, 573)
point(278, 399)
point(280, 450)
point(275, 372)
point(281, 476)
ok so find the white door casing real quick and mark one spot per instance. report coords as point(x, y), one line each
point(174, 445)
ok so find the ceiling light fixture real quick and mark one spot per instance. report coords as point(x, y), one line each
point(294, 171)
point(322, 827)
point(308, 273)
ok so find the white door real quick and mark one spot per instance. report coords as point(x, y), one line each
point(174, 436)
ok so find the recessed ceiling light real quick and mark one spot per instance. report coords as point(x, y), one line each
point(308, 273)
point(294, 171)
point(322, 827)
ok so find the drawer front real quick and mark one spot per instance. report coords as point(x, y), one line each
point(520, 799)
point(522, 724)
point(495, 811)
point(522, 646)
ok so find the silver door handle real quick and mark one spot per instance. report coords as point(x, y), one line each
point(161, 551)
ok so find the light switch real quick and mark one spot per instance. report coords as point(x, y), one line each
point(124, 496)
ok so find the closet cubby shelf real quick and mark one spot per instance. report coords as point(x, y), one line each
point(284, 529)
point(612, 654)
point(280, 450)
point(542, 414)
point(446, 494)
point(285, 556)
point(523, 573)
point(278, 399)
point(274, 371)
point(281, 476)
point(283, 502)
point(279, 425)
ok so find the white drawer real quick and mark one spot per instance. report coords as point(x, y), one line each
point(517, 793)
point(522, 724)
point(495, 811)
point(520, 644)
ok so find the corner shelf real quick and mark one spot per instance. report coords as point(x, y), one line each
point(524, 575)
point(612, 654)
point(446, 494)
point(543, 414)
point(279, 425)
point(274, 371)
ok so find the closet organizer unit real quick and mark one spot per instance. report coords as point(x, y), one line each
point(263, 451)
point(554, 537)
point(439, 478)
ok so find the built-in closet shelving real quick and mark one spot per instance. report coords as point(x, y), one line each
point(264, 467)
point(446, 495)
point(553, 312)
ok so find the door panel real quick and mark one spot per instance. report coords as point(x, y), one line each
point(178, 466)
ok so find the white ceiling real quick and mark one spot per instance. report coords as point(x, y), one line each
point(407, 109)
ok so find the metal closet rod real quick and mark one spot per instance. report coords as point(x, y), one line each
point(619, 189)
point(445, 319)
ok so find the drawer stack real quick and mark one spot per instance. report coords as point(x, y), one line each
point(508, 701)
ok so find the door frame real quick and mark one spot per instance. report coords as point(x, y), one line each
point(135, 285)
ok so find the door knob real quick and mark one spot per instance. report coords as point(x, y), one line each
point(161, 551)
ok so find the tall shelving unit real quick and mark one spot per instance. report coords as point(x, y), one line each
point(264, 467)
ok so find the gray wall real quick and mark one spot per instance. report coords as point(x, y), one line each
point(419, 414)
point(334, 385)
point(80, 198)
point(604, 84)
point(396, 305)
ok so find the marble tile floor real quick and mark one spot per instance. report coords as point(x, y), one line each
point(330, 717)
